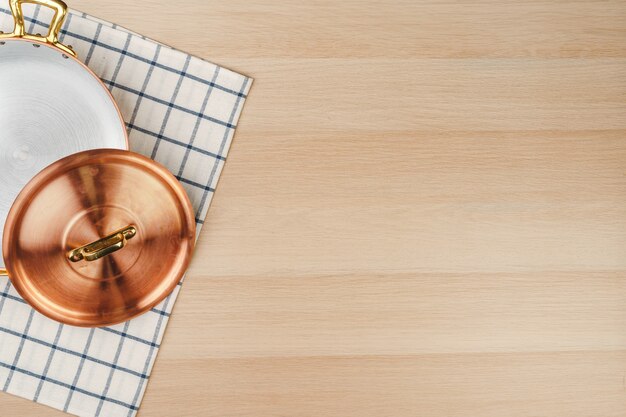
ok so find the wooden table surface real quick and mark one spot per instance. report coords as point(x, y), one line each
point(423, 212)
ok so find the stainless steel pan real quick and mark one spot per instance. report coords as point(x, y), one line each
point(51, 105)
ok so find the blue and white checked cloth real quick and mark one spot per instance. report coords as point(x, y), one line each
point(181, 111)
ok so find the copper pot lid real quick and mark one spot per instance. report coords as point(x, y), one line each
point(99, 237)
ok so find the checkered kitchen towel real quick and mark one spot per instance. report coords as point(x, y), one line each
point(182, 112)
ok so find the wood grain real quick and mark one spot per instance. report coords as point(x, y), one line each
point(423, 212)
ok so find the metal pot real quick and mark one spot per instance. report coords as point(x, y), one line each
point(52, 105)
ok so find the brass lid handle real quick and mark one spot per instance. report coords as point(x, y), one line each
point(103, 247)
point(52, 38)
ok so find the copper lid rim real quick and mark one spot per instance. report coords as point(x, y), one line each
point(28, 193)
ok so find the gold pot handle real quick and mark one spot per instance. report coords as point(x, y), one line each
point(52, 38)
point(103, 247)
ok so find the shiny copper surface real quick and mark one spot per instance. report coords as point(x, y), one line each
point(80, 200)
